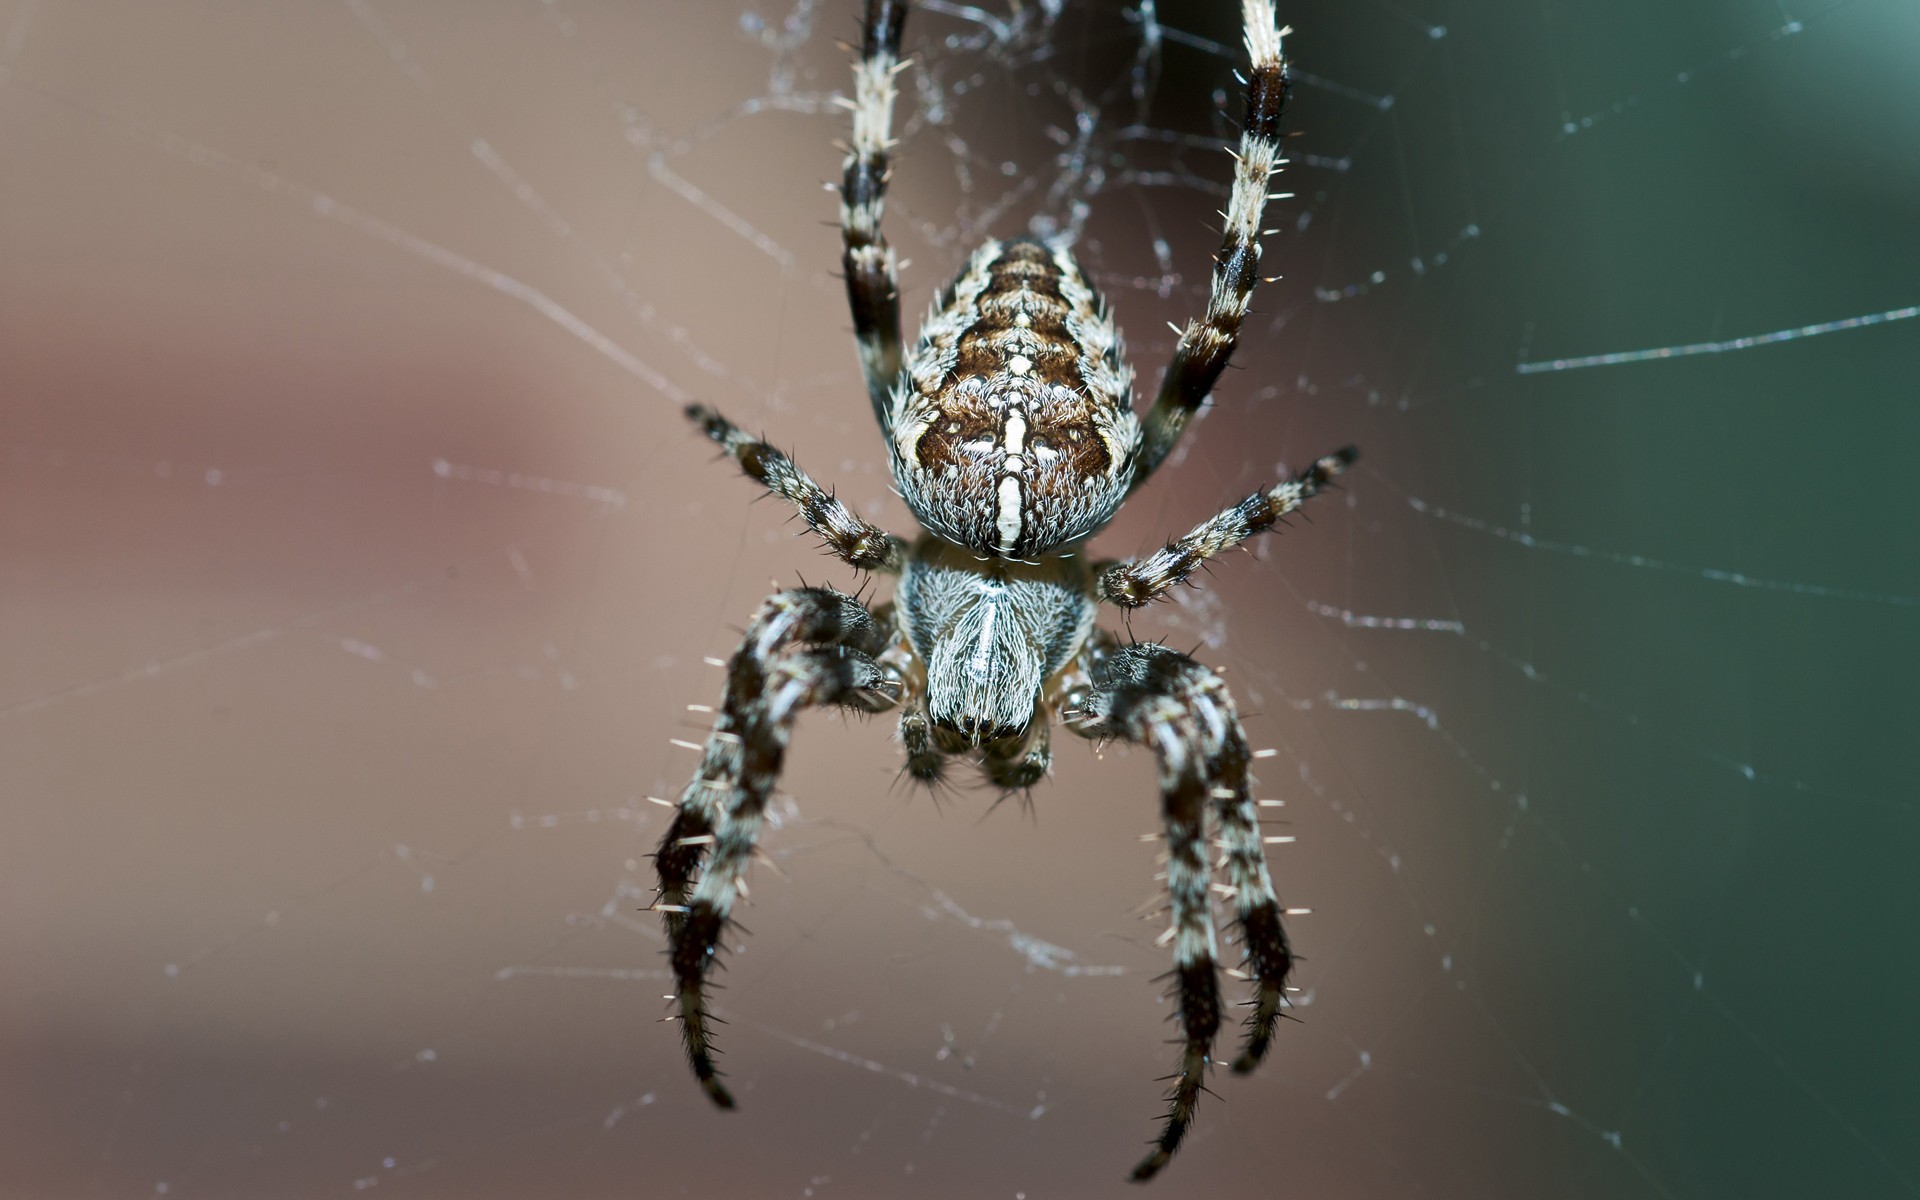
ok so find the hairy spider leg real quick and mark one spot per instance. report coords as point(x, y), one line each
point(926, 762)
point(1268, 958)
point(1135, 582)
point(1269, 955)
point(1015, 765)
point(769, 680)
point(860, 544)
point(873, 285)
point(1206, 344)
point(1179, 709)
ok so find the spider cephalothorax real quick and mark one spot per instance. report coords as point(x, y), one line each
point(1012, 437)
point(989, 636)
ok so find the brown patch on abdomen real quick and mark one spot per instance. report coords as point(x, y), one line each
point(1071, 431)
point(1023, 281)
point(962, 419)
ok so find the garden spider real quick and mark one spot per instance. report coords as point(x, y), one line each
point(1013, 439)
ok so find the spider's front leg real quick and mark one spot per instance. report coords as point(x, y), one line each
point(1206, 345)
point(1162, 699)
point(873, 287)
point(805, 647)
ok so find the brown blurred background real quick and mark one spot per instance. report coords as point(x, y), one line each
point(358, 568)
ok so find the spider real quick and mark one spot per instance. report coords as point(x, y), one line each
point(1012, 437)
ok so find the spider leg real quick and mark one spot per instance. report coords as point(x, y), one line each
point(853, 541)
point(1016, 764)
point(873, 287)
point(925, 761)
point(815, 615)
point(1206, 344)
point(1269, 955)
point(769, 680)
point(1135, 582)
point(1162, 699)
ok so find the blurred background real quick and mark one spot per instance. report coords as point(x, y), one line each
point(358, 570)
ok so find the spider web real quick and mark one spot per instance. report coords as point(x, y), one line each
point(360, 568)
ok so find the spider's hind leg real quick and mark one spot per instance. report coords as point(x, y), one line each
point(1269, 955)
point(1160, 698)
point(805, 647)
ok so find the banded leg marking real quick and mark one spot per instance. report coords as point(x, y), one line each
point(1164, 700)
point(1206, 344)
point(1136, 582)
point(853, 541)
point(1268, 955)
point(873, 286)
point(768, 682)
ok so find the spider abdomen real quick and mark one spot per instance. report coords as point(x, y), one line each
point(1013, 430)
